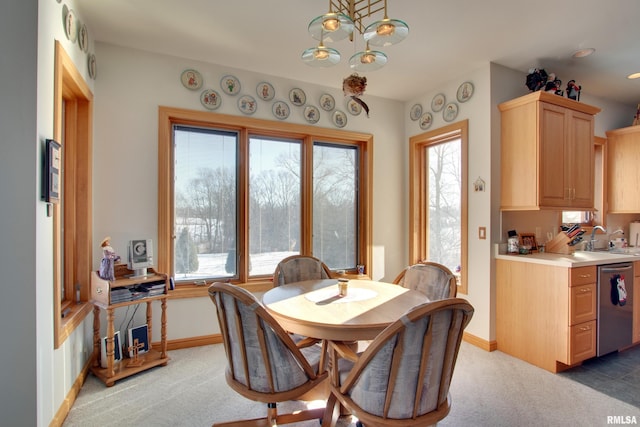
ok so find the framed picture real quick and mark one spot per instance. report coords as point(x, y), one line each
point(529, 239)
point(141, 335)
point(117, 350)
point(53, 171)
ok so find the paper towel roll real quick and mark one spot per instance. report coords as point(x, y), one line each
point(634, 234)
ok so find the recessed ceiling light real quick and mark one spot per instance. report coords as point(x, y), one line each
point(581, 53)
point(634, 76)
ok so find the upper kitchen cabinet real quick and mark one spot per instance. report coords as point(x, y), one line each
point(547, 153)
point(623, 170)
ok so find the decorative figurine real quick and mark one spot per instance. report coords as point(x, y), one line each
point(109, 258)
point(573, 90)
point(553, 85)
point(354, 86)
point(536, 79)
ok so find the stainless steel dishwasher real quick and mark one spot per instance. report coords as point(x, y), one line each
point(615, 307)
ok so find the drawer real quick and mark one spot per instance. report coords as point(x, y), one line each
point(582, 342)
point(583, 303)
point(583, 275)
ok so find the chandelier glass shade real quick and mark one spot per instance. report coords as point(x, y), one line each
point(386, 32)
point(331, 27)
point(345, 17)
point(368, 60)
point(321, 56)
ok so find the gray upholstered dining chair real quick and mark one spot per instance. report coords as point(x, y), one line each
point(297, 268)
point(264, 364)
point(403, 377)
point(432, 279)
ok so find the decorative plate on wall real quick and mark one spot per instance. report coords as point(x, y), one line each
point(311, 114)
point(415, 112)
point(438, 102)
point(297, 97)
point(91, 65)
point(339, 118)
point(210, 99)
point(327, 103)
point(465, 91)
point(353, 107)
point(83, 38)
point(230, 85)
point(70, 23)
point(280, 110)
point(191, 79)
point(450, 112)
point(247, 104)
point(425, 121)
point(265, 91)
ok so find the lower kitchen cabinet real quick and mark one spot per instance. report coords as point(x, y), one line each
point(545, 314)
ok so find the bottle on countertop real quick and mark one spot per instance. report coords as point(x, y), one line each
point(513, 242)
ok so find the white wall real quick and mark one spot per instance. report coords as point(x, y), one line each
point(129, 87)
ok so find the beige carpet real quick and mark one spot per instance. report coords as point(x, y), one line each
point(488, 389)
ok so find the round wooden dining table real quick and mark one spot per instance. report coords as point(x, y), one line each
point(314, 308)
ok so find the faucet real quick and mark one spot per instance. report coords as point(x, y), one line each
point(591, 242)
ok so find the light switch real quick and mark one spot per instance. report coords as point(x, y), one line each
point(482, 233)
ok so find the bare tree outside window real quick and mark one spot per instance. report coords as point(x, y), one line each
point(445, 203)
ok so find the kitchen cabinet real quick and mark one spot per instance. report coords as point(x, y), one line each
point(623, 173)
point(547, 153)
point(546, 314)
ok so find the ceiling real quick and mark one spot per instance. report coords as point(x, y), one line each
point(447, 39)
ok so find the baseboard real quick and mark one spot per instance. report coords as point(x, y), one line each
point(479, 342)
point(191, 342)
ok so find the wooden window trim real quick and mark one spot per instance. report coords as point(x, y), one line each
point(71, 90)
point(418, 207)
point(169, 116)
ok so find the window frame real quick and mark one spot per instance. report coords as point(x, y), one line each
point(418, 186)
point(246, 127)
point(72, 252)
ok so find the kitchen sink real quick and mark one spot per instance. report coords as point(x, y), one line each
point(634, 251)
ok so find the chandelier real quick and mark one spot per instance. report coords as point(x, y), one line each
point(343, 18)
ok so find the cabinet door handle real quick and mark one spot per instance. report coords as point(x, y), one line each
point(585, 328)
point(584, 290)
point(585, 276)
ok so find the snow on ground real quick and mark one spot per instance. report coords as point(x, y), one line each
point(212, 265)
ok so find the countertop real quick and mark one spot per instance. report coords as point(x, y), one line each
point(577, 259)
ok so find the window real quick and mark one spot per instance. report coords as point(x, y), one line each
point(72, 246)
point(438, 199)
point(239, 194)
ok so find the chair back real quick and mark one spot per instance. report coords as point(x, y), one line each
point(432, 279)
point(406, 371)
point(297, 268)
point(264, 364)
